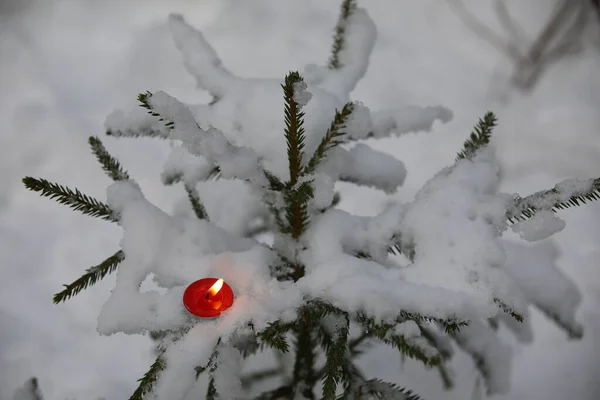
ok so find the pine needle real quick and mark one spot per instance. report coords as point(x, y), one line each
point(339, 38)
point(480, 136)
point(72, 198)
point(149, 379)
point(91, 276)
point(330, 139)
point(109, 164)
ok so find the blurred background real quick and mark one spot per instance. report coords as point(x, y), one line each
point(65, 65)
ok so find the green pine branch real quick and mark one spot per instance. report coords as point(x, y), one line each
point(110, 165)
point(386, 390)
point(72, 198)
point(149, 379)
point(197, 205)
point(274, 335)
point(330, 139)
point(91, 276)
point(383, 332)
point(294, 126)
point(524, 208)
point(304, 375)
point(480, 137)
point(509, 310)
point(347, 8)
point(336, 357)
point(147, 132)
point(297, 193)
point(274, 183)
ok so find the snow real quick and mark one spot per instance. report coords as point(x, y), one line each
point(137, 120)
point(29, 391)
point(199, 58)
point(493, 355)
point(181, 165)
point(542, 225)
point(533, 269)
point(408, 119)
point(359, 124)
point(408, 329)
point(301, 95)
point(361, 34)
point(368, 167)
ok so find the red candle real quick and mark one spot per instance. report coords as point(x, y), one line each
point(208, 297)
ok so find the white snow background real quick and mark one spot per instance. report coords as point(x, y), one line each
point(65, 65)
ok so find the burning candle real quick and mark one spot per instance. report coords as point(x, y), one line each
point(208, 297)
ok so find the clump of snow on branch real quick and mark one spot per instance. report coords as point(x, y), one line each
point(301, 95)
point(135, 122)
point(542, 225)
point(534, 271)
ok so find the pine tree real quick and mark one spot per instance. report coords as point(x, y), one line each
point(418, 277)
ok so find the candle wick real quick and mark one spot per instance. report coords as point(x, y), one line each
point(207, 295)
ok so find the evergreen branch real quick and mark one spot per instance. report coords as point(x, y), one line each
point(304, 376)
point(449, 325)
point(330, 139)
point(336, 357)
point(554, 199)
point(74, 199)
point(319, 309)
point(197, 205)
point(109, 164)
point(274, 335)
point(274, 183)
point(412, 350)
point(294, 130)
point(144, 132)
point(509, 310)
point(296, 207)
point(480, 137)
point(347, 8)
point(384, 332)
point(149, 379)
point(91, 276)
point(386, 390)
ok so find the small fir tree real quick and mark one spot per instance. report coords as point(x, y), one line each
point(323, 284)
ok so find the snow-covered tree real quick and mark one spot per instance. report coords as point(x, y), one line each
point(314, 284)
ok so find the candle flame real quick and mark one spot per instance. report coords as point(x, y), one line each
point(215, 288)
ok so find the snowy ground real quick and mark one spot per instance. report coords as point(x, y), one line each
point(65, 65)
